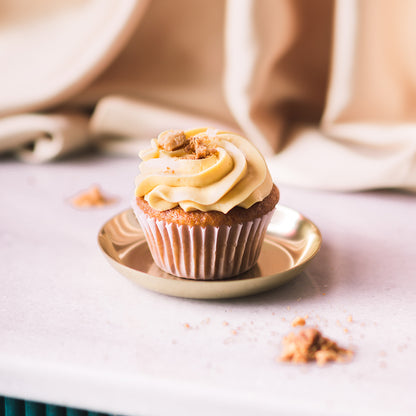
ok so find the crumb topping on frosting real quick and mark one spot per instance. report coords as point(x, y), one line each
point(171, 140)
point(200, 148)
point(202, 169)
point(195, 147)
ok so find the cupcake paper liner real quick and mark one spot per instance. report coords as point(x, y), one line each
point(204, 253)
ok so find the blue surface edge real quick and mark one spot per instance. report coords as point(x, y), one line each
point(18, 407)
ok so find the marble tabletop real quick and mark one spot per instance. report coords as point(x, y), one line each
point(74, 332)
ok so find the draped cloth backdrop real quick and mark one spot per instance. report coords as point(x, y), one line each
point(325, 89)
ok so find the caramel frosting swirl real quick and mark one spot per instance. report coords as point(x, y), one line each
point(202, 169)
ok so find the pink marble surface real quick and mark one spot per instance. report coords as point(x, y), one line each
point(75, 332)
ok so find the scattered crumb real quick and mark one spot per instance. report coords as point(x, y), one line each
point(346, 330)
point(382, 354)
point(283, 319)
point(338, 322)
point(225, 323)
point(349, 318)
point(92, 197)
point(306, 317)
point(288, 308)
point(383, 364)
point(323, 294)
point(234, 332)
point(187, 326)
point(309, 345)
point(298, 321)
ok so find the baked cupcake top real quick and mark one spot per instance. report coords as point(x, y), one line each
point(202, 169)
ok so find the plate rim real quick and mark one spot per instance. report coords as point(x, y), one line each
point(292, 271)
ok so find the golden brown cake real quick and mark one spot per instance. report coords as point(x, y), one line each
point(204, 199)
point(236, 215)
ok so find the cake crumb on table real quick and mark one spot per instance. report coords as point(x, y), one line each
point(309, 345)
point(92, 197)
point(298, 321)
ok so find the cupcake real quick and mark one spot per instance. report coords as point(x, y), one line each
point(204, 199)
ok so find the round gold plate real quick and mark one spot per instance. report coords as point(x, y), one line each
point(291, 242)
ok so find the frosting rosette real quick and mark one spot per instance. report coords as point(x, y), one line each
point(202, 169)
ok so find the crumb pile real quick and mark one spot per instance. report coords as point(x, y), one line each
point(92, 197)
point(309, 345)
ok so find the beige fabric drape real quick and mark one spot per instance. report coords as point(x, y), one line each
point(324, 88)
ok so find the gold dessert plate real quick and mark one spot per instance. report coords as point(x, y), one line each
point(291, 242)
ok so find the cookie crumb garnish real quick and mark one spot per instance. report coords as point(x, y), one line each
point(171, 140)
point(198, 148)
point(309, 345)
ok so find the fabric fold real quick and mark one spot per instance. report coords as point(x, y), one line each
point(125, 124)
point(39, 138)
point(51, 51)
point(325, 89)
